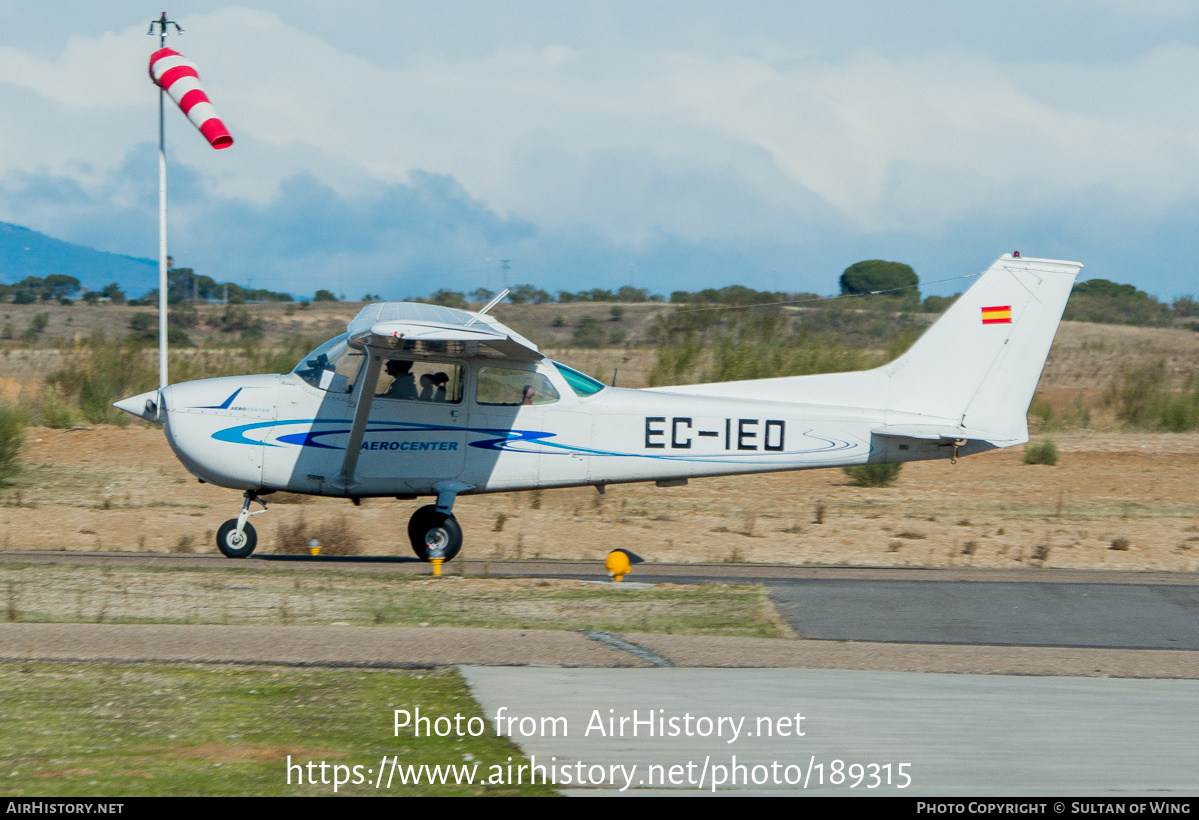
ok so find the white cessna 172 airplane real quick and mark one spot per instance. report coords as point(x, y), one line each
point(419, 400)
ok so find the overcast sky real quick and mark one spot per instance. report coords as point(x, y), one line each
point(398, 147)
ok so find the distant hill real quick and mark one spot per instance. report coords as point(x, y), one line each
point(24, 252)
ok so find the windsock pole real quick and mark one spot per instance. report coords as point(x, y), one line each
point(161, 24)
point(162, 241)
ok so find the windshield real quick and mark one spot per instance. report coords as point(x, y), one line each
point(583, 385)
point(333, 366)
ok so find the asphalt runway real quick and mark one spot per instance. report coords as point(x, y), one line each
point(1129, 616)
point(972, 735)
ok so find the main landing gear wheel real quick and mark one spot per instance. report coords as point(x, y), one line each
point(430, 528)
point(233, 544)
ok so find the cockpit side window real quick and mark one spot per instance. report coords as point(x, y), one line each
point(513, 388)
point(334, 366)
point(420, 380)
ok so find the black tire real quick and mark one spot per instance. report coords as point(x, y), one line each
point(233, 547)
point(428, 523)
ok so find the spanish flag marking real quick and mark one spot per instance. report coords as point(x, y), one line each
point(997, 315)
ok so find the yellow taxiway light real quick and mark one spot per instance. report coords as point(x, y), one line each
point(314, 547)
point(436, 562)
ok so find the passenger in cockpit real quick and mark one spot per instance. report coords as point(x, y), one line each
point(426, 387)
point(440, 382)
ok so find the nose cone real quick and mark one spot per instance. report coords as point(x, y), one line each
point(143, 405)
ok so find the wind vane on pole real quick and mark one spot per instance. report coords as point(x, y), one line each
point(174, 74)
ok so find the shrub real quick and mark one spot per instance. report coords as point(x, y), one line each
point(873, 475)
point(12, 438)
point(938, 304)
point(143, 321)
point(1041, 452)
point(588, 333)
point(1142, 398)
point(336, 537)
point(55, 412)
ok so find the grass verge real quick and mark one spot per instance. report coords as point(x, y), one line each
point(113, 730)
point(95, 594)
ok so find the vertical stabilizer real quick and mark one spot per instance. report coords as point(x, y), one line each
point(979, 364)
point(974, 370)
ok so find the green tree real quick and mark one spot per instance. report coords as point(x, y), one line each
point(628, 293)
point(59, 286)
point(323, 295)
point(1107, 302)
point(522, 294)
point(875, 275)
point(448, 298)
point(1186, 306)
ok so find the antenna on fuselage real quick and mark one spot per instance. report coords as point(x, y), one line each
point(480, 314)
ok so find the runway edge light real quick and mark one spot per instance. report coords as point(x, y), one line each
point(620, 563)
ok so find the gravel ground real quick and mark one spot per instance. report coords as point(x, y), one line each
point(442, 646)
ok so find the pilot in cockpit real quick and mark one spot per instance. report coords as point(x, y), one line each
point(403, 383)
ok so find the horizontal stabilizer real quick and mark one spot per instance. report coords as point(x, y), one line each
point(935, 432)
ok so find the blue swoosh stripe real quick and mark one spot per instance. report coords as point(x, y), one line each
point(505, 439)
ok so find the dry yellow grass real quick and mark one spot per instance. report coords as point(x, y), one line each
point(123, 490)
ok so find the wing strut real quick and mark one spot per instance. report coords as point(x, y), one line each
point(364, 397)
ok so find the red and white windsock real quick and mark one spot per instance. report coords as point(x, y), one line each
point(177, 75)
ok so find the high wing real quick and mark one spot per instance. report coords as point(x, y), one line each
point(421, 328)
point(385, 328)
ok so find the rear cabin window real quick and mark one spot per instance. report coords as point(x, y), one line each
point(582, 384)
point(512, 388)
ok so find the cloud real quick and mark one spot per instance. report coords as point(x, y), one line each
point(674, 147)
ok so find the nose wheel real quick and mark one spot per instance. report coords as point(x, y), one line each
point(432, 532)
point(234, 544)
point(236, 538)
